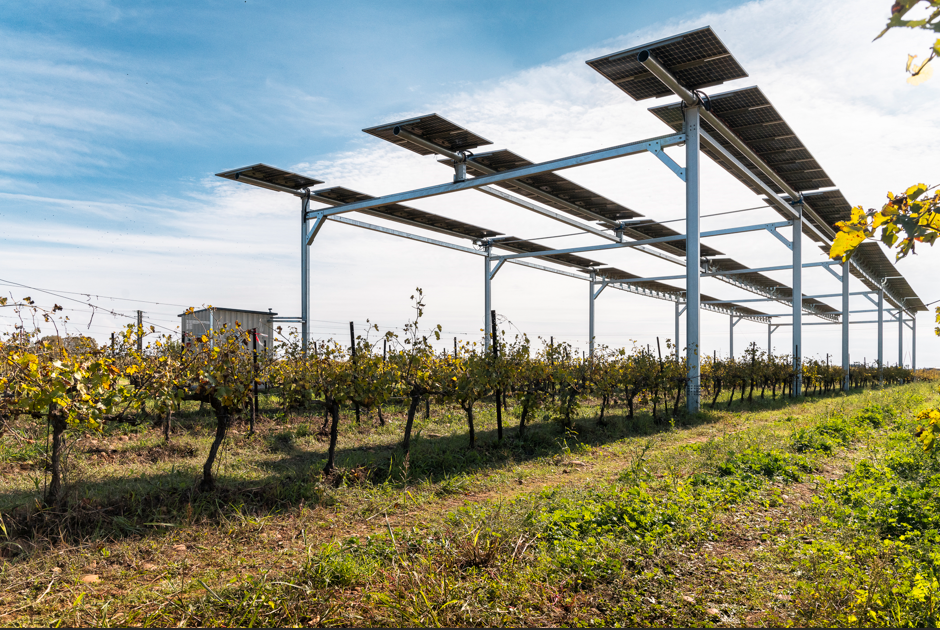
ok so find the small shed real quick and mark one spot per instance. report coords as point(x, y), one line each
point(200, 322)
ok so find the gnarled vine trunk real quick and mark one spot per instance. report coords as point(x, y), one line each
point(223, 416)
point(57, 420)
point(412, 410)
point(333, 408)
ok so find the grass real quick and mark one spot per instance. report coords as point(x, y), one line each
point(819, 512)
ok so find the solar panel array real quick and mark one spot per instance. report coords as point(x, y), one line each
point(613, 273)
point(658, 230)
point(697, 59)
point(271, 175)
point(768, 284)
point(433, 128)
point(553, 186)
point(751, 116)
point(871, 255)
point(520, 246)
point(405, 214)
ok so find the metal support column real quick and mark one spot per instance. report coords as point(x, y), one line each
point(693, 257)
point(487, 297)
point(900, 338)
point(797, 387)
point(304, 276)
point(591, 315)
point(913, 340)
point(846, 274)
point(731, 336)
point(678, 355)
point(770, 347)
point(881, 336)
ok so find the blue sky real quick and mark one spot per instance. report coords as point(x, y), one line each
point(113, 121)
point(156, 94)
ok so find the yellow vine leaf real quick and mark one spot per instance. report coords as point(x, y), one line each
point(845, 242)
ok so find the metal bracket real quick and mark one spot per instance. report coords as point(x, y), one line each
point(780, 237)
point(460, 168)
point(656, 148)
point(603, 286)
point(683, 310)
point(735, 322)
point(837, 275)
point(318, 221)
point(499, 265)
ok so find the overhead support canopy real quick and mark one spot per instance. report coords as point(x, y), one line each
point(553, 185)
point(553, 190)
point(263, 174)
point(433, 128)
point(404, 214)
point(751, 116)
point(697, 59)
point(520, 246)
point(897, 289)
point(770, 286)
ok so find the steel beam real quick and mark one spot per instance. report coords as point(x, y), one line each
point(305, 240)
point(487, 299)
point(846, 274)
point(591, 157)
point(413, 237)
point(768, 299)
point(591, 314)
point(676, 340)
point(881, 336)
point(731, 336)
point(693, 256)
point(545, 212)
point(797, 282)
point(900, 338)
point(649, 241)
point(461, 160)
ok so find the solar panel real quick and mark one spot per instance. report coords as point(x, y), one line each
point(432, 127)
point(612, 273)
point(751, 116)
point(697, 59)
point(871, 256)
point(658, 230)
point(551, 186)
point(766, 283)
point(520, 246)
point(405, 214)
point(271, 175)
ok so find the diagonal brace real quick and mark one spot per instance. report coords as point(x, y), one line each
point(499, 265)
point(656, 148)
point(780, 237)
point(318, 221)
point(835, 273)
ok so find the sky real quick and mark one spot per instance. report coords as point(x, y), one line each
point(114, 120)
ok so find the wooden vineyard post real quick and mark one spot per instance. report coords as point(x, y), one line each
point(499, 395)
point(352, 346)
point(254, 379)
